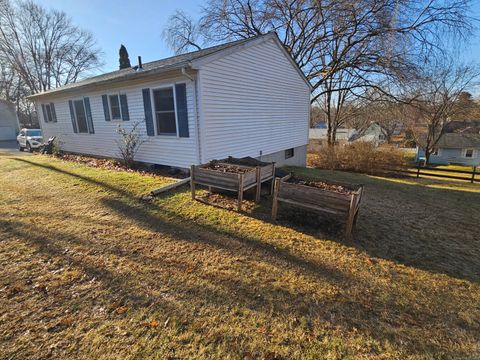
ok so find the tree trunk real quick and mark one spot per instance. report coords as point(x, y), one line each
point(427, 157)
point(329, 135)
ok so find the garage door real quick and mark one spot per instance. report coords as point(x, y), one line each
point(7, 133)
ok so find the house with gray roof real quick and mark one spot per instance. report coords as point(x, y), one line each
point(243, 98)
point(455, 148)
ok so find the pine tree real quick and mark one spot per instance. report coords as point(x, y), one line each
point(124, 60)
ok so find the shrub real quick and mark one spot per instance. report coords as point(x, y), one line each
point(358, 157)
point(57, 148)
point(129, 143)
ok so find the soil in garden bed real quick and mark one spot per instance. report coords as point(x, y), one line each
point(321, 185)
point(223, 167)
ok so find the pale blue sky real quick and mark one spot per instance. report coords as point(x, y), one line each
point(138, 25)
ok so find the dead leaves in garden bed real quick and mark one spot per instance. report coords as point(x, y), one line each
point(116, 165)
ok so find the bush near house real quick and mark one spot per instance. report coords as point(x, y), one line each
point(360, 157)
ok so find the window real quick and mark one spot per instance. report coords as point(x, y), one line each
point(49, 112)
point(34, 132)
point(80, 116)
point(469, 153)
point(289, 153)
point(115, 109)
point(435, 152)
point(165, 117)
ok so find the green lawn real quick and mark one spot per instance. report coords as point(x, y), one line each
point(89, 271)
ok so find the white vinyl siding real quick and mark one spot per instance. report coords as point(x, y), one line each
point(252, 101)
point(173, 151)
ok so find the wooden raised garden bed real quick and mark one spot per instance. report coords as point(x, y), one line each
point(233, 175)
point(334, 198)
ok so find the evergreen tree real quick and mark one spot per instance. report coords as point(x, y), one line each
point(124, 60)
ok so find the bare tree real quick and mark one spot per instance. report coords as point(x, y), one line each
point(344, 47)
point(181, 33)
point(434, 101)
point(43, 47)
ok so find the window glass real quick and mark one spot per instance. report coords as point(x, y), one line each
point(469, 153)
point(80, 116)
point(48, 110)
point(34, 133)
point(165, 111)
point(115, 110)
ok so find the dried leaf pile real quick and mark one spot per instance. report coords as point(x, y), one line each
point(321, 185)
point(226, 168)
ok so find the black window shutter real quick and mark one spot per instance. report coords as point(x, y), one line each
point(54, 114)
point(147, 105)
point(181, 97)
point(106, 110)
point(72, 115)
point(88, 110)
point(45, 119)
point(124, 105)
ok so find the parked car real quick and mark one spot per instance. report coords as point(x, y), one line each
point(30, 139)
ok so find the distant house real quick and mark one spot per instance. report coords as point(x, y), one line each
point(455, 148)
point(243, 98)
point(373, 134)
point(463, 126)
point(321, 134)
point(8, 121)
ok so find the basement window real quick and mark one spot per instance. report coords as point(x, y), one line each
point(289, 153)
point(469, 153)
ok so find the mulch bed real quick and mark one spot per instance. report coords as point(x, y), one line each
point(226, 168)
point(321, 185)
point(111, 164)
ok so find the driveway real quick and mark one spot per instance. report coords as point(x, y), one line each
point(9, 147)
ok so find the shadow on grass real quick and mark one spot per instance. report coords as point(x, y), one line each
point(425, 227)
point(160, 219)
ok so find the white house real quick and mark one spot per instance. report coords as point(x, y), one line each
point(244, 98)
point(8, 121)
point(373, 134)
point(342, 134)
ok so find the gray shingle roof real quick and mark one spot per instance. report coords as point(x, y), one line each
point(169, 63)
point(459, 141)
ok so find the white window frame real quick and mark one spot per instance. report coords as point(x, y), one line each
point(75, 115)
point(110, 107)
point(154, 112)
point(437, 152)
point(469, 157)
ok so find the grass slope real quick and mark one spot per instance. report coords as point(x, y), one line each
point(87, 271)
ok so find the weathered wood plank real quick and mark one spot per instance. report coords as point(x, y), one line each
point(170, 186)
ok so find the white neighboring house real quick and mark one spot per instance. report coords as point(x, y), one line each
point(373, 134)
point(244, 98)
point(321, 134)
point(8, 121)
